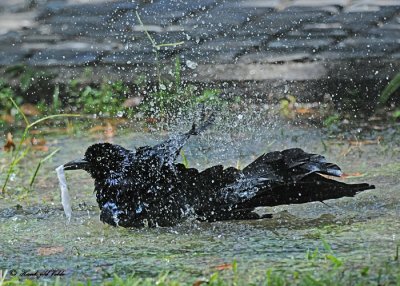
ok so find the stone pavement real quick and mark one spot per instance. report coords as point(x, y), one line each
point(310, 47)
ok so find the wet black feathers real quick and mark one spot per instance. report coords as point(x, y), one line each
point(146, 187)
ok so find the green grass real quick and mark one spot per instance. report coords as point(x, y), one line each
point(167, 99)
point(106, 99)
point(321, 272)
point(20, 152)
point(390, 89)
point(320, 267)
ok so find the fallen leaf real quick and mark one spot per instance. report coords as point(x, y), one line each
point(35, 132)
point(96, 128)
point(378, 140)
point(304, 111)
point(29, 109)
point(35, 141)
point(151, 120)
point(42, 148)
point(7, 118)
point(109, 131)
point(199, 282)
point(133, 101)
point(223, 266)
point(10, 145)
point(45, 251)
point(352, 175)
point(38, 144)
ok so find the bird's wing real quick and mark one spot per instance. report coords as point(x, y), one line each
point(312, 188)
point(166, 152)
point(307, 163)
point(202, 188)
point(290, 164)
point(275, 169)
point(290, 176)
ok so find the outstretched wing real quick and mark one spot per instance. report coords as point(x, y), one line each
point(290, 165)
point(275, 169)
point(312, 188)
point(276, 178)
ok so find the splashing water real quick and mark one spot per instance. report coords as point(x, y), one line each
point(65, 198)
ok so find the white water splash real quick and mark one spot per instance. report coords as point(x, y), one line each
point(65, 198)
point(191, 65)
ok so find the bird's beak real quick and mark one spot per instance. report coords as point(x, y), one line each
point(76, 164)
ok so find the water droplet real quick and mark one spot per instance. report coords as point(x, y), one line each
point(192, 65)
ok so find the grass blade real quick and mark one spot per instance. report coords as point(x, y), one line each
point(170, 44)
point(51, 117)
point(392, 86)
point(153, 42)
point(185, 161)
point(20, 111)
point(40, 164)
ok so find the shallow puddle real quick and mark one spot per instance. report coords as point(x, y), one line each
point(363, 231)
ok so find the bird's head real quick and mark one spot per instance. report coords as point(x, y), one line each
point(101, 160)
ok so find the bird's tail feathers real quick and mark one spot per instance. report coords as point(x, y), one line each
point(311, 188)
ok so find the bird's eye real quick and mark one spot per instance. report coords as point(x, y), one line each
point(98, 158)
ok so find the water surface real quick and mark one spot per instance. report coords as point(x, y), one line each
point(363, 231)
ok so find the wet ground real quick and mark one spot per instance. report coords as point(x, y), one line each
point(362, 232)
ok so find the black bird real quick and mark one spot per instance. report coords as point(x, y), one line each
point(146, 187)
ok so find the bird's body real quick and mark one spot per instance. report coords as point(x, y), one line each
point(146, 187)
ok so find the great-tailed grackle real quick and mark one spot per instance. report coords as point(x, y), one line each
point(146, 187)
